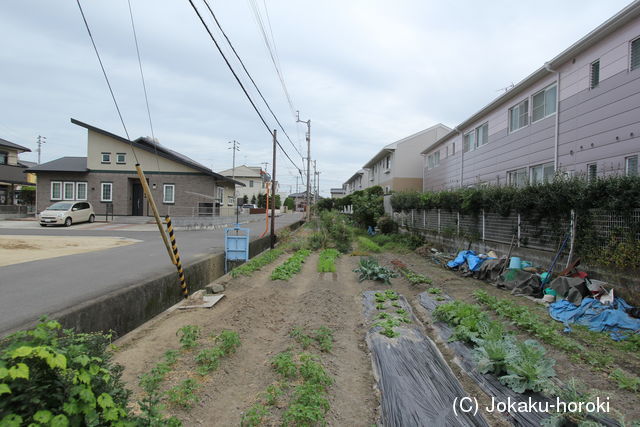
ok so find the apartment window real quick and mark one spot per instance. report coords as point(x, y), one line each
point(430, 161)
point(121, 158)
point(635, 54)
point(169, 193)
point(453, 148)
point(469, 142)
point(517, 178)
point(250, 183)
point(106, 193)
point(106, 157)
point(544, 103)
point(595, 74)
point(446, 151)
point(68, 190)
point(81, 191)
point(631, 166)
point(4, 158)
point(387, 162)
point(230, 200)
point(482, 135)
point(541, 173)
point(519, 116)
point(592, 171)
point(56, 190)
point(436, 158)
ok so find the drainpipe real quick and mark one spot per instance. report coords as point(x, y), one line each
point(547, 67)
point(461, 156)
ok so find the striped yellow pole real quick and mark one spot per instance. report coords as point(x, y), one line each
point(172, 237)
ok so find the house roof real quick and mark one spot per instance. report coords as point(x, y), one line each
point(148, 144)
point(360, 172)
point(20, 148)
point(337, 190)
point(623, 17)
point(26, 164)
point(243, 171)
point(13, 174)
point(63, 164)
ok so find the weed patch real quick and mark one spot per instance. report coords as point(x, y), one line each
point(184, 394)
point(327, 260)
point(291, 266)
point(256, 263)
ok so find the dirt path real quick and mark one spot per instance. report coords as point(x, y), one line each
point(263, 312)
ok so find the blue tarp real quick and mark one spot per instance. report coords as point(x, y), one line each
point(597, 316)
point(470, 257)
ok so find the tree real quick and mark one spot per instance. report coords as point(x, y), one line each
point(278, 201)
point(245, 199)
point(290, 204)
point(253, 200)
point(368, 206)
point(325, 205)
point(262, 200)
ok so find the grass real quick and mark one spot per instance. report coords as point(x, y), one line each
point(327, 260)
point(256, 263)
point(367, 245)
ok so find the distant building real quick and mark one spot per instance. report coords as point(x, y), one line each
point(12, 172)
point(577, 115)
point(107, 178)
point(336, 193)
point(251, 177)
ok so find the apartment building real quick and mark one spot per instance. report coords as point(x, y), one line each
point(397, 166)
point(578, 115)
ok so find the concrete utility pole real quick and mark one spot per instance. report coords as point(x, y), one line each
point(235, 147)
point(41, 140)
point(308, 122)
point(273, 194)
point(318, 186)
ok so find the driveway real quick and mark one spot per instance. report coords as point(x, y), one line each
point(32, 289)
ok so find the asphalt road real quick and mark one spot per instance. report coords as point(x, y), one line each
point(32, 289)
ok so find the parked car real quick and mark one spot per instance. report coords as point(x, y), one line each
point(67, 213)
point(249, 206)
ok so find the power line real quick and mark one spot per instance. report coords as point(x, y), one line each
point(249, 75)
point(235, 75)
point(104, 73)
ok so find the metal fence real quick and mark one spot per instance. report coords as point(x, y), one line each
point(615, 226)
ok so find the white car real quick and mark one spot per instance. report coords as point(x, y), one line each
point(67, 213)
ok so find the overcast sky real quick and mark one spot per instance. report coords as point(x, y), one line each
point(366, 73)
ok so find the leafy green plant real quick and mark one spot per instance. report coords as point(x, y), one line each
point(312, 371)
point(189, 335)
point(369, 269)
point(256, 263)
point(368, 245)
point(308, 406)
point(318, 240)
point(184, 394)
point(299, 335)
point(434, 291)
point(228, 341)
point(208, 359)
point(468, 320)
point(380, 306)
point(327, 260)
point(626, 382)
point(528, 368)
point(324, 337)
point(283, 364)
point(254, 416)
point(272, 393)
point(58, 377)
point(291, 266)
point(171, 356)
point(492, 349)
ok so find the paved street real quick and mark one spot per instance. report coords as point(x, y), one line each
point(32, 289)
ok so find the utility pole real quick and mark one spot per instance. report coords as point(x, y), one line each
point(41, 140)
point(272, 240)
point(235, 147)
point(308, 136)
point(296, 184)
point(315, 186)
point(318, 186)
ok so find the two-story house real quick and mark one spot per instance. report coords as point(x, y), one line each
point(356, 182)
point(107, 178)
point(398, 166)
point(251, 177)
point(12, 175)
point(578, 114)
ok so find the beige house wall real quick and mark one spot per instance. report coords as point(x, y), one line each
point(404, 184)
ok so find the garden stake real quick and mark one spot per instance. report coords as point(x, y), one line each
point(504, 266)
point(183, 283)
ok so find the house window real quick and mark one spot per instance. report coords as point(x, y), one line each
point(453, 148)
point(68, 190)
point(635, 54)
point(595, 74)
point(519, 116)
point(106, 192)
point(436, 158)
point(592, 171)
point(541, 173)
point(544, 103)
point(168, 193)
point(631, 165)
point(121, 158)
point(230, 200)
point(4, 158)
point(469, 142)
point(250, 183)
point(446, 151)
point(106, 157)
point(482, 134)
point(517, 178)
point(220, 195)
point(81, 191)
point(387, 162)
point(56, 190)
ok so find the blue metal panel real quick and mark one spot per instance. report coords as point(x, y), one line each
point(236, 246)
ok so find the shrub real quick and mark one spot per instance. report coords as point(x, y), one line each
point(386, 225)
point(367, 245)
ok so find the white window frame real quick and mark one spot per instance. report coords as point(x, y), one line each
point(631, 42)
point(102, 187)
point(512, 177)
point(250, 183)
point(545, 113)
point(542, 167)
point(124, 158)
point(66, 196)
point(478, 133)
point(86, 190)
point(102, 158)
point(436, 158)
point(524, 102)
point(59, 183)
point(471, 144)
point(626, 165)
point(164, 193)
point(591, 74)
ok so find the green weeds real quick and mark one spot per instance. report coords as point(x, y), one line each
point(189, 335)
point(367, 245)
point(184, 394)
point(327, 260)
point(625, 382)
point(256, 263)
point(291, 266)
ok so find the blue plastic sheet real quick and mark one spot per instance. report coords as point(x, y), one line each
point(473, 261)
point(597, 316)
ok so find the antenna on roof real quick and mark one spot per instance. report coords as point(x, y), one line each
point(41, 140)
point(507, 88)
